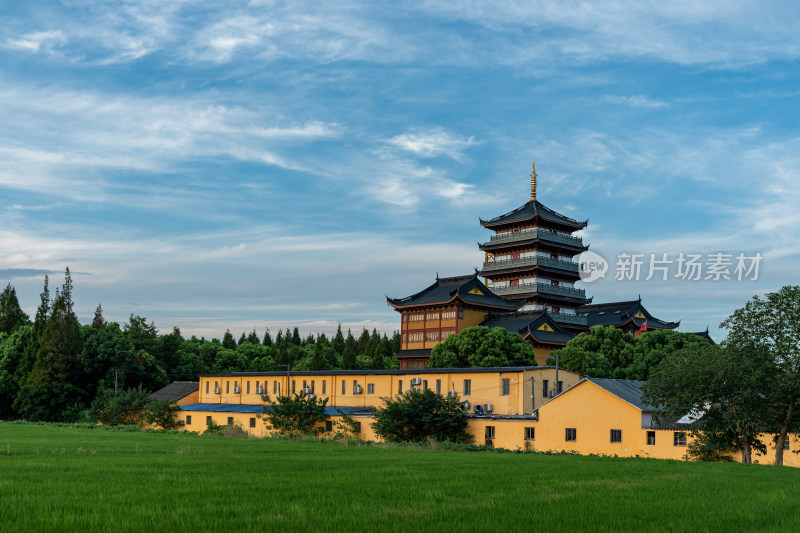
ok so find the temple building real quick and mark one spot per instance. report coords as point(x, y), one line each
point(530, 274)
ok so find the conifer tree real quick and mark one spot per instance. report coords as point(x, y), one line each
point(349, 352)
point(267, 338)
point(296, 340)
point(338, 340)
point(253, 337)
point(97, 321)
point(228, 341)
point(12, 317)
point(318, 360)
point(242, 339)
point(363, 342)
point(29, 356)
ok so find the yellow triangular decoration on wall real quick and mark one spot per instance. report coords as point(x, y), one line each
point(639, 315)
point(545, 327)
point(476, 291)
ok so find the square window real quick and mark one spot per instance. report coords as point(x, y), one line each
point(371, 388)
point(679, 438)
point(529, 433)
point(188, 420)
point(252, 422)
point(505, 387)
point(651, 438)
point(467, 387)
point(571, 435)
point(230, 420)
point(328, 425)
point(489, 432)
point(616, 435)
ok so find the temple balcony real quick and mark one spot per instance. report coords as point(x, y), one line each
point(536, 260)
point(536, 233)
point(544, 288)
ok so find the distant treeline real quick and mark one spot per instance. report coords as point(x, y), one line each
point(52, 368)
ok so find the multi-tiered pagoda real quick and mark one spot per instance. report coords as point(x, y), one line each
point(530, 273)
point(531, 258)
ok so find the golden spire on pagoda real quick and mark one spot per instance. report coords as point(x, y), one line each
point(533, 183)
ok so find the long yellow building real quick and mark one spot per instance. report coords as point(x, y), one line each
point(527, 408)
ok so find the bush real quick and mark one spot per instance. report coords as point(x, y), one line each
point(417, 416)
point(126, 408)
point(296, 414)
point(163, 414)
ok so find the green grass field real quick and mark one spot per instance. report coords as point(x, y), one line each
point(77, 479)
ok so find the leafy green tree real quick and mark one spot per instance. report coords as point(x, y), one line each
point(125, 408)
point(229, 361)
point(12, 352)
point(167, 350)
point(723, 386)
point(652, 347)
point(417, 416)
point(296, 414)
point(107, 356)
point(771, 326)
point(480, 346)
point(163, 413)
point(12, 317)
point(606, 350)
point(97, 321)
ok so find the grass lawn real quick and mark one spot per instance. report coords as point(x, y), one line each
point(77, 479)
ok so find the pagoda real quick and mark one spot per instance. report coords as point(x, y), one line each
point(530, 258)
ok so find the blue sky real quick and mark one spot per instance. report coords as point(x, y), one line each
point(237, 165)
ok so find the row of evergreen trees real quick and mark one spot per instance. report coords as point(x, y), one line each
point(53, 367)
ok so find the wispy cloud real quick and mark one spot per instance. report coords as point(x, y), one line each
point(638, 100)
point(433, 143)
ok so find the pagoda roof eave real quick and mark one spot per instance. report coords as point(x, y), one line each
point(530, 210)
point(488, 246)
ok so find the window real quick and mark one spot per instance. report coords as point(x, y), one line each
point(447, 332)
point(399, 386)
point(416, 336)
point(571, 435)
point(432, 336)
point(324, 385)
point(230, 420)
point(432, 317)
point(424, 384)
point(371, 388)
point(252, 422)
point(328, 425)
point(679, 439)
point(545, 388)
point(467, 387)
point(355, 386)
point(489, 432)
point(344, 387)
point(529, 433)
point(505, 387)
point(209, 421)
point(216, 387)
point(460, 314)
point(305, 384)
point(227, 387)
point(404, 338)
point(207, 383)
point(616, 435)
point(560, 387)
point(277, 387)
point(416, 317)
point(274, 387)
point(438, 386)
point(449, 315)
point(651, 438)
point(248, 387)
point(189, 418)
point(294, 386)
point(312, 386)
point(786, 443)
point(357, 426)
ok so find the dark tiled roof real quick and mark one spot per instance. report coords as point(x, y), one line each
point(626, 389)
point(468, 289)
point(410, 371)
point(529, 324)
point(175, 391)
point(487, 246)
point(673, 423)
point(413, 354)
point(531, 210)
point(705, 335)
point(619, 313)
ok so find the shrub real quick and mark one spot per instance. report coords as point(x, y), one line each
point(416, 416)
point(296, 414)
point(126, 408)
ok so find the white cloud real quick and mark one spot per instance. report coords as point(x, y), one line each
point(638, 100)
point(35, 41)
point(433, 143)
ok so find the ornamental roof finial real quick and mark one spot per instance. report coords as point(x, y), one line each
point(533, 183)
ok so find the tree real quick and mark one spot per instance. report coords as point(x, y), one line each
point(338, 340)
point(349, 352)
point(163, 413)
point(97, 321)
point(771, 325)
point(480, 346)
point(603, 352)
point(126, 407)
point(721, 387)
point(12, 317)
point(417, 416)
point(228, 341)
point(296, 414)
point(252, 338)
point(267, 338)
